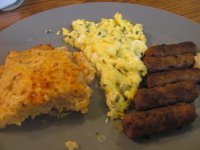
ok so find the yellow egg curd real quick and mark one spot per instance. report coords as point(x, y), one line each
point(114, 47)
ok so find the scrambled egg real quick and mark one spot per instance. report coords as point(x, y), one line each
point(114, 47)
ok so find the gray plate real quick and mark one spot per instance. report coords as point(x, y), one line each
point(159, 27)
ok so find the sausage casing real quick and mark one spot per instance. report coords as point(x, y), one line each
point(138, 124)
point(156, 64)
point(172, 49)
point(165, 95)
point(173, 76)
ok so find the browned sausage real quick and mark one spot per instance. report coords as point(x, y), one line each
point(138, 124)
point(165, 95)
point(155, 64)
point(173, 76)
point(172, 49)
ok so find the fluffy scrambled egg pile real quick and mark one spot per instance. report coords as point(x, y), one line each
point(114, 47)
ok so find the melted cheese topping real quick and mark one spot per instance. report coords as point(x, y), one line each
point(114, 47)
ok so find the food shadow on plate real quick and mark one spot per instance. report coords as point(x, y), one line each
point(196, 105)
point(96, 109)
point(71, 48)
point(183, 131)
point(45, 121)
point(123, 142)
point(149, 37)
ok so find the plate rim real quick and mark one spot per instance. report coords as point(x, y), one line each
point(100, 3)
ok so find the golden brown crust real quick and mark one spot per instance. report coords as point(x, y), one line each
point(40, 79)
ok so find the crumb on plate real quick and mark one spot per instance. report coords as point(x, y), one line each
point(71, 145)
point(58, 32)
point(100, 137)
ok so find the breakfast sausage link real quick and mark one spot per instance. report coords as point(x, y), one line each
point(165, 95)
point(173, 76)
point(155, 64)
point(138, 124)
point(172, 49)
